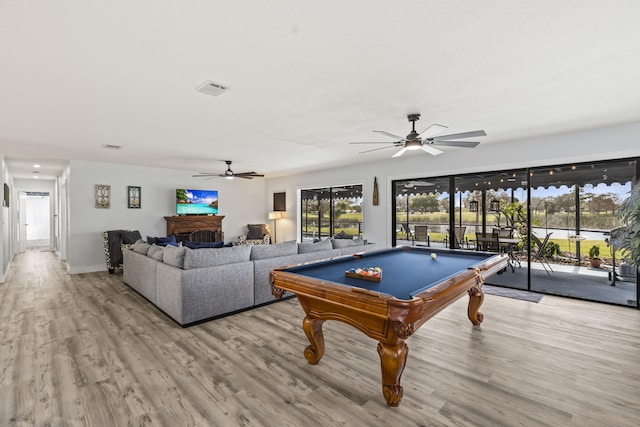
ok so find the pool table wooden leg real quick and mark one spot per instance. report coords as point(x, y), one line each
point(313, 330)
point(393, 357)
point(476, 296)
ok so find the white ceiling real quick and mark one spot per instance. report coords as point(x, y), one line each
point(306, 77)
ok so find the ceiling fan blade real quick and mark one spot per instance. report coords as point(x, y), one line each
point(390, 135)
point(432, 130)
point(376, 149)
point(464, 144)
point(248, 174)
point(461, 135)
point(429, 149)
point(202, 174)
point(376, 142)
point(400, 153)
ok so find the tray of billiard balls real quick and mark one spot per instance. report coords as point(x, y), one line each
point(372, 274)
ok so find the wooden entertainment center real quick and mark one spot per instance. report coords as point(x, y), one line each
point(182, 226)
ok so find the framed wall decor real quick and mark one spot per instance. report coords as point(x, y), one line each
point(280, 202)
point(103, 196)
point(134, 197)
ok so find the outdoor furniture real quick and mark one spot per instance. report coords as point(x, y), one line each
point(487, 243)
point(459, 240)
point(421, 234)
point(407, 230)
point(538, 251)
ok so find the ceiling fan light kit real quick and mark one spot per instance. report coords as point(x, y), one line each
point(425, 140)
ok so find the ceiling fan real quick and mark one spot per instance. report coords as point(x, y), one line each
point(425, 140)
point(229, 174)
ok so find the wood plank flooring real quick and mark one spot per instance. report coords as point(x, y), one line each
point(86, 350)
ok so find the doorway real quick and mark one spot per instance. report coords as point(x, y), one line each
point(34, 221)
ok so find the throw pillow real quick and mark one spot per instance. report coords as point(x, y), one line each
point(200, 245)
point(130, 237)
point(164, 241)
point(141, 247)
point(174, 255)
point(343, 235)
point(322, 245)
point(156, 252)
point(256, 231)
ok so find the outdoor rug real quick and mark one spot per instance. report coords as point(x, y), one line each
point(512, 293)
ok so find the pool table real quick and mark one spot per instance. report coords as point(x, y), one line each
point(416, 283)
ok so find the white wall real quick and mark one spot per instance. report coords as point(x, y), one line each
point(241, 201)
point(597, 144)
point(5, 223)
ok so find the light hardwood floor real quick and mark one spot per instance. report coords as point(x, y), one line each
point(87, 350)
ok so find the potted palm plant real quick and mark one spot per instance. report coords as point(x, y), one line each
point(594, 256)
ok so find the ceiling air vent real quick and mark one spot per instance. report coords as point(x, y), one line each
point(212, 88)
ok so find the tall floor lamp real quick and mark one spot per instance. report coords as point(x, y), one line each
point(275, 216)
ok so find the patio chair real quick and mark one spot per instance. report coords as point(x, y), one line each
point(461, 240)
point(407, 231)
point(458, 237)
point(487, 243)
point(421, 234)
point(538, 251)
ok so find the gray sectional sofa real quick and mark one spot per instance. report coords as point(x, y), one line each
point(195, 285)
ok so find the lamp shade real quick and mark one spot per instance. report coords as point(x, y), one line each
point(276, 215)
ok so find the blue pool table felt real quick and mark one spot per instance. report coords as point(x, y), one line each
point(404, 272)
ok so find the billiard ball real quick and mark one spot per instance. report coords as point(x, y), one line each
point(434, 256)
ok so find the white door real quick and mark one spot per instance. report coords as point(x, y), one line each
point(35, 220)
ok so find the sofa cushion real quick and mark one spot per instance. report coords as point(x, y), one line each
point(322, 245)
point(256, 231)
point(174, 255)
point(208, 257)
point(272, 251)
point(342, 243)
point(141, 247)
point(156, 252)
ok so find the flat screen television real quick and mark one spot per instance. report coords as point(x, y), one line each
point(196, 202)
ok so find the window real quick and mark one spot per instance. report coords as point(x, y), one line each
point(330, 211)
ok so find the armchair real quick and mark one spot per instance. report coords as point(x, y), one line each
point(113, 241)
point(257, 234)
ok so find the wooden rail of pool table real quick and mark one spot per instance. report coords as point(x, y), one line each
point(382, 317)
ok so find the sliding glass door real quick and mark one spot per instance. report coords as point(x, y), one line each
point(557, 224)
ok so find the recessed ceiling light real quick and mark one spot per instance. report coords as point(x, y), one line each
point(36, 166)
